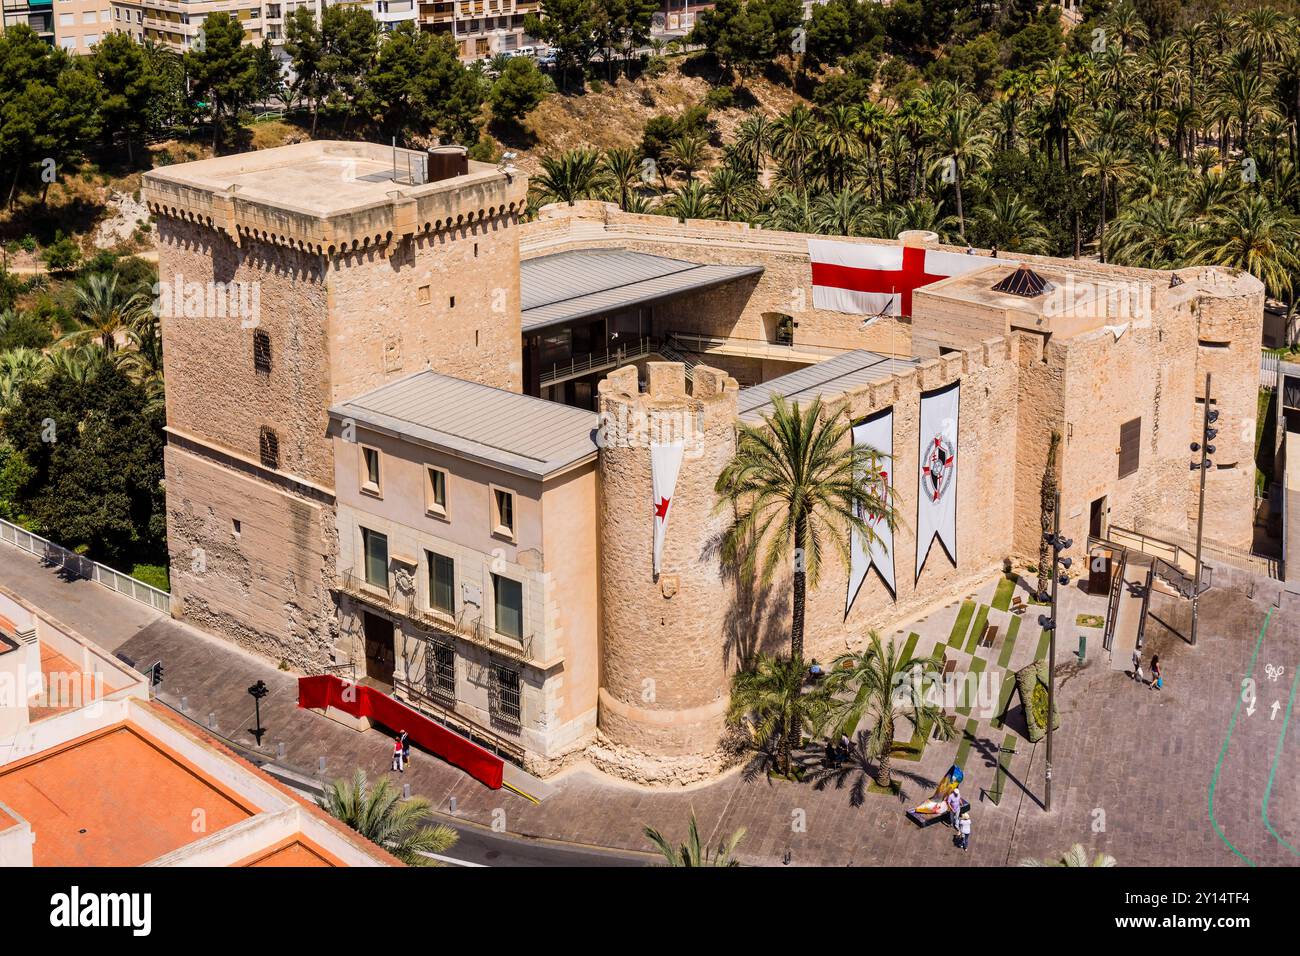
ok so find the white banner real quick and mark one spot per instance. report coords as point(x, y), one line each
point(878, 433)
point(665, 462)
point(936, 498)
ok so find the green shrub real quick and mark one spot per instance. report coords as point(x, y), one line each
point(1031, 682)
point(720, 98)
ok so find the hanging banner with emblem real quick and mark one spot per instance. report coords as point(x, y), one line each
point(936, 498)
point(665, 462)
point(876, 432)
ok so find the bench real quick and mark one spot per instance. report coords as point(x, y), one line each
point(1018, 605)
point(989, 636)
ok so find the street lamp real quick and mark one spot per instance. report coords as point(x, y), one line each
point(258, 691)
point(1048, 623)
point(1208, 435)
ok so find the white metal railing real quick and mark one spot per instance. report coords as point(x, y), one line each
point(584, 364)
point(61, 557)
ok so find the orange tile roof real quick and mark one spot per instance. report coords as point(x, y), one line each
point(115, 797)
point(64, 685)
point(296, 850)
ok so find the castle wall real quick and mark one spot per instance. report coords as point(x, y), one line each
point(445, 300)
point(265, 586)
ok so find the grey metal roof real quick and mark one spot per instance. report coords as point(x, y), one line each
point(573, 285)
point(516, 433)
point(829, 380)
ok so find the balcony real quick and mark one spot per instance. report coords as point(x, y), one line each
point(406, 605)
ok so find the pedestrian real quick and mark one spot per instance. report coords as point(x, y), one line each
point(406, 747)
point(954, 808)
point(1137, 664)
point(397, 755)
point(965, 831)
point(1157, 681)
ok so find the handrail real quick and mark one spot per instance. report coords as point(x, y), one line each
point(83, 567)
point(597, 360)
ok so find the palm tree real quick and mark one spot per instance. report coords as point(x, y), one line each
point(621, 170)
point(1255, 236)
point(1011, 224)
point(1110, 166)
point(378, 812)
point(104, 310)
point(688, 153)
point(768, 700)
point(787, 210)
point(794, 140)
point(1153, 234)
point(1074, 856)
point(693, 852)
point(840, 142)
point(690, 202)
point(797, 487)
point(753, 143)
point(873, 122)
point(885, 691)
point(18, 367)
point(961, 140)
point(731, 193)
point(844, 213)
point(572, 175)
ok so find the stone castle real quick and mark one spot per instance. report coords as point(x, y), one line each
point(424, 461)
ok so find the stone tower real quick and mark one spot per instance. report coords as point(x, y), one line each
point(292, 279)
point(665, 666)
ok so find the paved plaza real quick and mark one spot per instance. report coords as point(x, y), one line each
point(1200, 773)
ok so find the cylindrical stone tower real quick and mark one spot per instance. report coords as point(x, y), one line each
point(664, 673)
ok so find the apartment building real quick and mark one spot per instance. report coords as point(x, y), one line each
point(37, 14)
point(481, 28)
point(176, 23)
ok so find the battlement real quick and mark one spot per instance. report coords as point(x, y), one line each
point(329, 197)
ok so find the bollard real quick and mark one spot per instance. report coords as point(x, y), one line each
point(1083, 647)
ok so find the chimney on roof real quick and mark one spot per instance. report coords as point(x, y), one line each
point(1024, 281)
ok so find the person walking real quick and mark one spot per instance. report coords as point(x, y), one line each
point(1137, 664)
point(1157, 681)
point(965, 831)
point(954, 808)
point(406, 747)
point(397, 755)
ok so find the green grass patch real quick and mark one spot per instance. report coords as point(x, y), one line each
point(891, 791)
point(153, 574)
point(976, 667)
point(1004, 768)
point(1043, 643)
point(967, 739)
point(939, 653)
point(977, 629)
point(1009, 642)
point(959, 627)
point(1090, 620)
point(912, 749)
point(1005, 591)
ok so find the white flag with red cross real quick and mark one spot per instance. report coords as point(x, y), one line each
point(876, 432)
point(864, 279)
point(936, 493)
point(665, 462)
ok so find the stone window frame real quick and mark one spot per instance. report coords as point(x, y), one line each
point(364, 533)
point(500, 528)
point(493, 578)
point(431, 506)
point(368, 486)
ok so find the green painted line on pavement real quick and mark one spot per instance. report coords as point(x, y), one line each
point(1009, 642)
point(958, 635)
point(910, 647)
point(1044, 641)
point(1004, 767)
point(1272, 771)
point(977, 630)
point(1223, 752)
point(977, 666)
point(967, 738)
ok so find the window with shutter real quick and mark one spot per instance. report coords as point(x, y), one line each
point(1130, 437)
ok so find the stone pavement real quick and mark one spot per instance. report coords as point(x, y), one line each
point(1172, 777)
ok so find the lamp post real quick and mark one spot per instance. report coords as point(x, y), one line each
point(1208, 434)
point(258, 691)
point(1048, 623)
